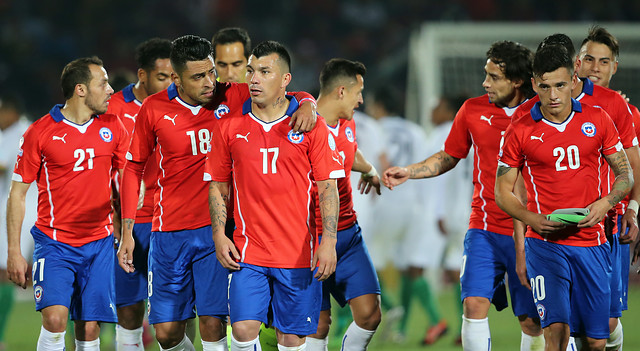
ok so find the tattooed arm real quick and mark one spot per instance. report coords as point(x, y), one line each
point(325, 256)
point(621, 187)
point(218, 199)
point(435, 165)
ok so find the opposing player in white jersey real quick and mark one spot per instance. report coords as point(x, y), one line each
point(489, 252)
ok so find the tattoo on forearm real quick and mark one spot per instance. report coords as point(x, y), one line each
point(433, 166)
point(217, 208)
point(128, 223)
point(622, 185)
point(328, 198)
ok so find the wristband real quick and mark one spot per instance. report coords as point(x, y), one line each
point(633, 205)
point(374, 173)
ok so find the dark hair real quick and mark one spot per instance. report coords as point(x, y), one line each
point(455, 102)
point(151, 50)
point(11, 102)
point(600, 35)
point(338, 69)
point(232, 35)
point(515, 60)
point(559, 39)
point(188, 48)
point(77, 72)
point(389, 98)
point(550, 58)
point(270, 47)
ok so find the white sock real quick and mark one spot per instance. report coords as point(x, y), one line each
point(571, 346)
point(356, 338)
point(48, 341)
point(253, 345)
point(184, 345)
point(476, 335)
point(531, 343)
point(614, 343)
point(302, 347)
point(129, 340)
point(93, 345)
point(220, 345)
point(314, 344)
point(190, 329)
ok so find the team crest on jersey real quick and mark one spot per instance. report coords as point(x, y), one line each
point(349, 133)
point(588, 129)
point(542, 312)
point(37, 293)
point(221, 111)
point(332, 142)
point(294, 137)
point(105, 134)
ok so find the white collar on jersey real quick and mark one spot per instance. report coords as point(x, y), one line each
point(334, 130)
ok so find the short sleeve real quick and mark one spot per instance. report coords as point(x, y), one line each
point(610, 138)
point(29, 156)
point(458, 142)
point(510, 154)
point(143, 138)
point(325, 161)
point(218, 163)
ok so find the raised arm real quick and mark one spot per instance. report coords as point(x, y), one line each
point(436, 164)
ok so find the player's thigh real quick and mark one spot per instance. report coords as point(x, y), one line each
point(615, 279)
point(482, 270)
point(521, 301)
point(296, 301)
point(210, 284)
point(249, 294)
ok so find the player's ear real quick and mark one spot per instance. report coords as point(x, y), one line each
point(574, 81)
point(341, 90)
point(518, 83)
point(81, 90)
point(533, 85)
point(286, 79)
point(142, 75)
point(175, 78)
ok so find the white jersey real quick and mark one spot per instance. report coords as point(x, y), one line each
point(9, 145)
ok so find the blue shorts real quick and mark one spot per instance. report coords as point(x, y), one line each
point(293, 296)
point(625, 262)
point(355, 275)
point(131, 288)
point(184, 273)
point(570, 285)
point(79, 278)
point(487, 258)
point(615, 280)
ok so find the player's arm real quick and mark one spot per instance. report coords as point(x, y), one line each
point(621, 187)
point(129, 195)
point(368, 174)
point(630, 217)
point(17, 267)
point(436, 164)
point(519, 230)
point(218, 199)
point(507, 200)
point(325, 257)
point(305, 118)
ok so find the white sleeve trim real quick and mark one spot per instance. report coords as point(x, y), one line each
point(207, 177)
point(16, 177)
point(337, 174)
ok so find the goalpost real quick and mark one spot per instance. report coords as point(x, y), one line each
point(448, 58)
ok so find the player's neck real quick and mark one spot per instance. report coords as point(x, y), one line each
point(327, 112)
point(578, 89)
point(270, 111)
point(517, 99)
point(557, 118)
point(76, 111)
point(139, 92)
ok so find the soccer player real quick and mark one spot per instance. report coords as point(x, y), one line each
point(488, 249)
point(598, 61)
point(272, 178)
point(71, 153)
point(558, 148)
point(231, 48)
point(355, 280)
point(154, 75)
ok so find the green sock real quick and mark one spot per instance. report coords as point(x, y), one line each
point(7, 298)
point(405, 300)
point(458, 303)
point(385, 303)
point(421, 288)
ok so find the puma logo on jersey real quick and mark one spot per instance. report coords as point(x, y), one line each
point(483, 118)
point(60, 138)
point(173, 120)
point(533, 137)
point(245, 137)
point(337, 160)
point(131, 117)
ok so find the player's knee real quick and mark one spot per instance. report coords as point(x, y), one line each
point(324, 324)
point(55, 323)
point(86, 331)
point(168, 336)
point(369, 317)
point(476, 307)
point(556, 334)
point(596, 344)
point(131, 317)
point(212, 328)
point(244, 332)
point(530, 326)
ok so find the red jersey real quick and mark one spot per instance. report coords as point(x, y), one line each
point(125, 105)
point(72, 165)
point(272, 178)
point(344, 134)
point(481, 124)
point(561, 163)
point(636, 126)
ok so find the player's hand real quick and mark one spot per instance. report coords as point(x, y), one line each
point(630, 222)
point(624, 96)
point(125, 253)
point(367, 182)
point(395, 176)
point(543, 226)
point(521, 269)
point(17, 270)
point(597, 210)
point(224, 249)
point(304, 119)
point(325, 259)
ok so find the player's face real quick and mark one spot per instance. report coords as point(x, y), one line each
point(231, 64)
point(597, 63)
point(159, 78)
point(352, 98)
point(98, 91)
point(267, 81)
point(501, 90)
point(196, 83)
point(554, 90)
